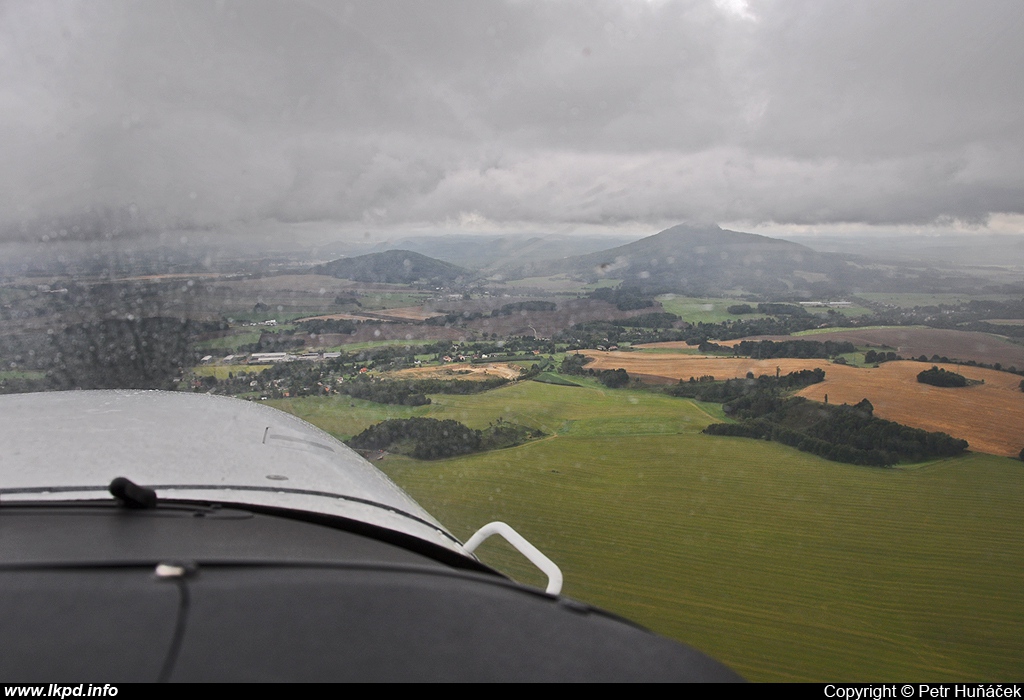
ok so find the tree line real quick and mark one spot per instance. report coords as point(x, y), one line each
point(707, 389)
point(624, 298)
point(844, 433)
point(769, 349)
point(575, 365)
point(429, 438)
point(413, 392)
point(936, 376)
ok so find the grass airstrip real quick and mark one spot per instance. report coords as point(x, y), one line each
point(783, 565)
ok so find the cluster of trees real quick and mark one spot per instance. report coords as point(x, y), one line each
point(593, 333)
point(840, 433)
point(740, 309)
point(574, 364)
point(652, 320)
point(741, 328)
point(624, 298)
point(319, 326)
point(969, 363)
point(412, 392)
point(521, 306)
point(767, 349)
point(871, 357)
point(396, 393)
point(452, 318)
point(780, 309)
point(937, 376)
point(707, 389)
point(611, 378)
point(428, 438)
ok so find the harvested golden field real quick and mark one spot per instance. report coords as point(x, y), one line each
point(912, 342)
point(668, 345)
point(674, 366)
point(462, 370)
point(989, 416)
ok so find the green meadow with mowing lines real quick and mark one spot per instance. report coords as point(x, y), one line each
point(783, 565)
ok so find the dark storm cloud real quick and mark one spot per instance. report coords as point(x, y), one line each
point(542, 113)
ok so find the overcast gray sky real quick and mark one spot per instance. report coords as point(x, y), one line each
point(532, 114)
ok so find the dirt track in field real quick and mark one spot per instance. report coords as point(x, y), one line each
point(989, 416)
point(461, 370)
point(332, 317)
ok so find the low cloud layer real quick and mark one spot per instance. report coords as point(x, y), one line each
point(541, 113)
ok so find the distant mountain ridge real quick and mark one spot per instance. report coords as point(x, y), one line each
point(705, 259)
point(691, 259)
point(393, 267)
point(486, 253)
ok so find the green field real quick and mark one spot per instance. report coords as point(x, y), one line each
point(22, 374)
point(707, 310)
point(552, 378)
point(715, 309)
point(671, 351)
point(376, 301)
point(783, 565)
point(408, 344)
point(847, 311)
point(231, 342)
point(856, 359)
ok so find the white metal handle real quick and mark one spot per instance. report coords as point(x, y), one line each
point(537, 557)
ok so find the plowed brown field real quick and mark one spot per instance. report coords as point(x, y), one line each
point(989, 416)
point(675, 366)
